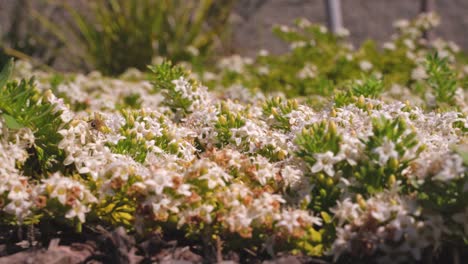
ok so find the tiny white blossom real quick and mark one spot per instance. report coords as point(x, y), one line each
point(386, 151)
point(418, 73)
point(365, 65)
point(78, 210)
point(324, 162)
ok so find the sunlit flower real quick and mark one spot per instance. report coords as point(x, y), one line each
point(324, 162)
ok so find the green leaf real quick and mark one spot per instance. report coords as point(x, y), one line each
point(6, 73)
point(315, 235)
point(326, 217)
point(11, 122)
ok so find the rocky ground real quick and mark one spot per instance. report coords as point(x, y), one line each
point(104, 246)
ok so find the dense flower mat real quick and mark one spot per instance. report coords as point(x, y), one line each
point(359, 174)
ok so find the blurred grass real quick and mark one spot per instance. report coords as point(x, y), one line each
point(21, 37)
point(114, 35)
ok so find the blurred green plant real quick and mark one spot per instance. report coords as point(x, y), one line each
point(320, 65)
point(442, 79)
point(114, 35)
point(23, 107)
point(22, 38)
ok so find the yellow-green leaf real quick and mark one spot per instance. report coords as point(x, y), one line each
point(326, 217)
point(315, 235)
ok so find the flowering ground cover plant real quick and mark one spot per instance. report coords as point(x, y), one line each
point(320, 64)
point(360, 177)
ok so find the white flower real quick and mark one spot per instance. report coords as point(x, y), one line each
point(365, 65)
point(19, 208)
point(78, 210)
point(115, 121)
point(292, 219)
point(389, 46)
point(263, 70)
point(342, 32)
point(350, 153)
point(346, 211)
point(285, 28)
point(291, 176)
point(160, 179)
point(451, 168)
point(409, 43)
point(263, 53)
point(193, 50)
point(297, 44)
point(418, 73)
point(304, 23)
point(216, 176)
point(324, 162)
point(60, 192)
point(308, 72)
point(18, 192)
point(401, 23)
point(386, 151)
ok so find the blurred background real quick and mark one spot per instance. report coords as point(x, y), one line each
point(113, 35)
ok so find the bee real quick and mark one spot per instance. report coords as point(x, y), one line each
point(98, 123)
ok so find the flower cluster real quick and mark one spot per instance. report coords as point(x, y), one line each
point(320, 64)
point(356, 175)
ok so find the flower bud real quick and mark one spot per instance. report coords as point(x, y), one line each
point(274, 112)
point(361, 100)
point(131, 120)
point(393, 164)
point(222, 120)
point(391, 180)
point(360, 200)
point(332, 127)
point(329, 182)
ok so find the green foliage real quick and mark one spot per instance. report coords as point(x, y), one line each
point(226, 121)
point(318, 138)
point(162, 79)
point(445, 197)
point(276, 110)
point(321, 65)
point(137, 147)
point(114, 35)
point(164, 74)
point(22, 106)
point(442, 79)
point(385, 166)
point(370, 87)
point(132, 101)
